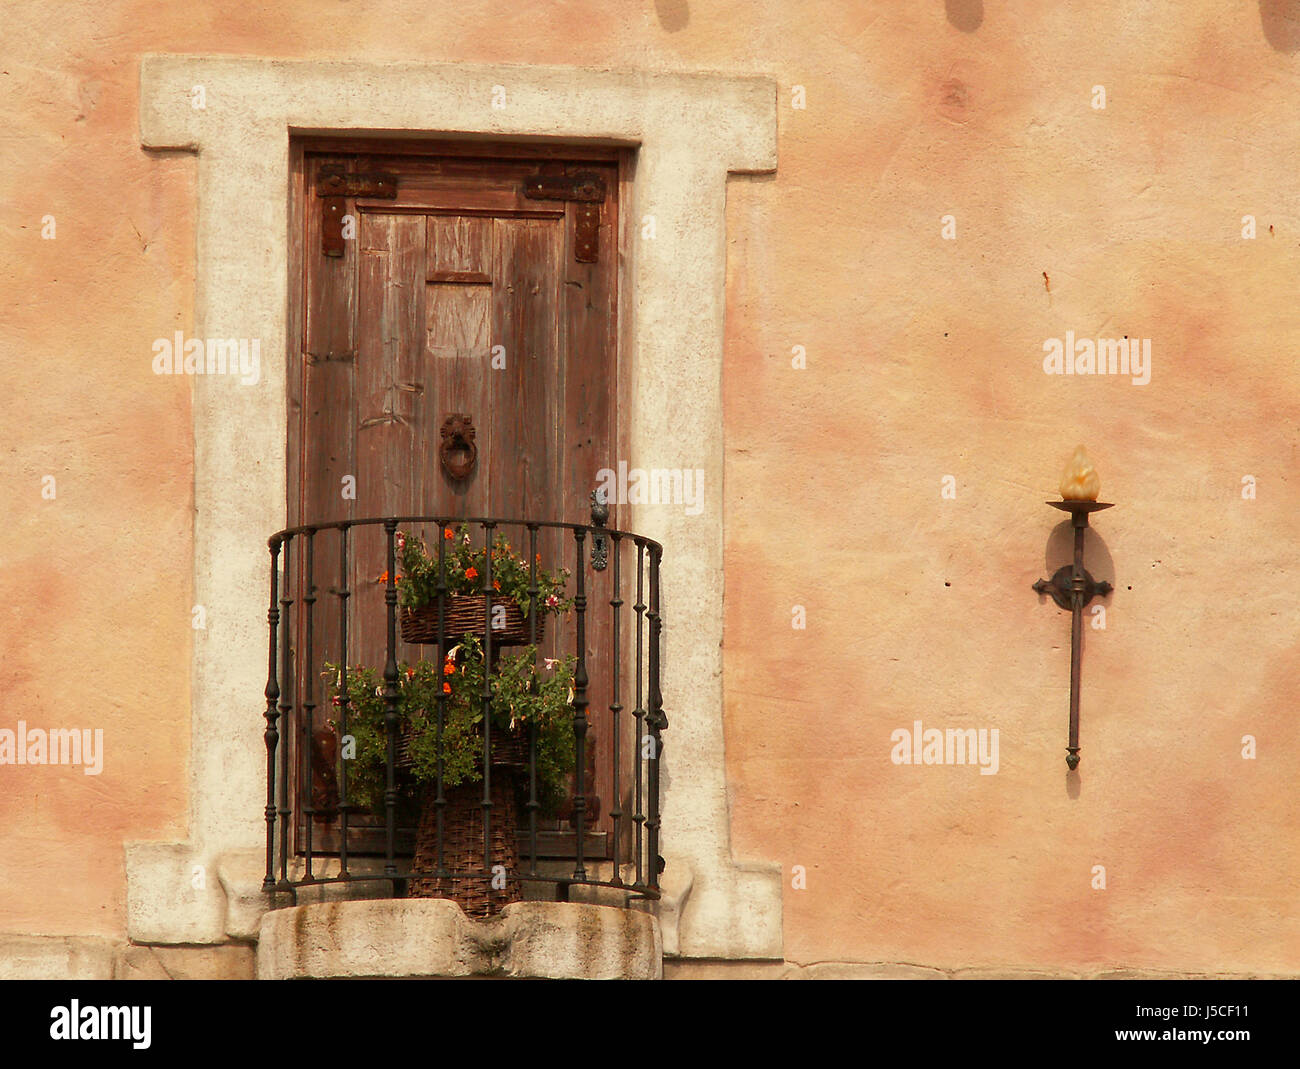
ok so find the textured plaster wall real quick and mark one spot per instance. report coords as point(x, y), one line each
point(95, 581)
point(923, 360)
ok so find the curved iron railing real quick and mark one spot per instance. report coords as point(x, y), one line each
point(305, 822)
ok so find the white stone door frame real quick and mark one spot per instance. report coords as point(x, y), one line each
point(690, 131)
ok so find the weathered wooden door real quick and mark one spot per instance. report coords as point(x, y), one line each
point(451, 281)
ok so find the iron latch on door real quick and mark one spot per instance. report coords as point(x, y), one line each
point(334, 187)
point(587, 189)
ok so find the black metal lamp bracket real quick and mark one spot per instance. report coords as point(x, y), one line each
point(1072, 587)
point(1061, 587)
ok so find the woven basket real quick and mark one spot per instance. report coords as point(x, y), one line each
point(462, 848)
point(464, 614)
point(510, 749)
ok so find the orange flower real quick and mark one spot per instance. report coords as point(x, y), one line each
point(471, 573)
point(446, 533)
point(449, 669)
point(446, 688)
point(496, 584)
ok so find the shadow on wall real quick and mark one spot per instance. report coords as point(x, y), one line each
point(1281, 21)
point(673, 14)
point(965, 15)
point(1060, 552)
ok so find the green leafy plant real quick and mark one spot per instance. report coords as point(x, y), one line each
point(464, 567)
point(523, 693)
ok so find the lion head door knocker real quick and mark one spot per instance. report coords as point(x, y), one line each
point(457, 451)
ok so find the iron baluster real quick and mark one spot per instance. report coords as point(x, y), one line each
point(306, 733)
point(580, 710)
point(487, 699)
point(390, 705)
point(288, 684)
point(657, 721)
point(638, 713)
point(440, 802)
point(615, 707)
point(272, 715)
point(344, 700)
point(533, 613)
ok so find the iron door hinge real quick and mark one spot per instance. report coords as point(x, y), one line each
point(334, 187)
point(587, 190)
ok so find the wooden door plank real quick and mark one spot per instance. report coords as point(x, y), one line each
point(296, 331)
point(458, 321)
point(457, 344)
point(391, 429)
point(461, 197)
point(326, 347)
point(457, 244)
point(526, 395)
point(331, 280)
point(588, 418)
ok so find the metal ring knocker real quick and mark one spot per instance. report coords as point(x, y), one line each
point(457, 452)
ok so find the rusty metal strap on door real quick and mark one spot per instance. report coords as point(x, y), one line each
point(587, 190)
point(334, 187)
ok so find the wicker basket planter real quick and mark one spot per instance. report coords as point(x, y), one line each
point(462, 844)
point(462, 849)
point(465, 614)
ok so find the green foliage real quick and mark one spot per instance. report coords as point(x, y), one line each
point(464, 568)
point(522, 693)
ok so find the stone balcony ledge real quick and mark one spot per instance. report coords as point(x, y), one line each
point(430, 937)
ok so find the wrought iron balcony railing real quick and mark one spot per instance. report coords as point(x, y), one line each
point(327, 824)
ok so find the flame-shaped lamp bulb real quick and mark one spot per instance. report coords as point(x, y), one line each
point(1080, 481)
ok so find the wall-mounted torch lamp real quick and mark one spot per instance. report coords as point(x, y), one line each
point(1072, 587)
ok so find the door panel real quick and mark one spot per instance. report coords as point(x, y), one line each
point(459, 295)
